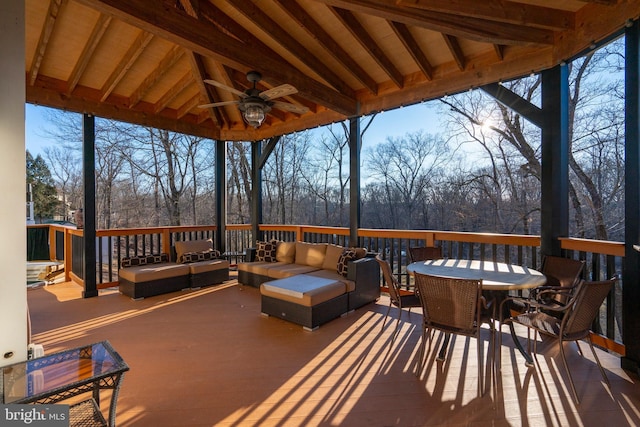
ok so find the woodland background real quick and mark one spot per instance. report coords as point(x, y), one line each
point(476, 169)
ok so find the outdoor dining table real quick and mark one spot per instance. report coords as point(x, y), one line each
point(497, 279)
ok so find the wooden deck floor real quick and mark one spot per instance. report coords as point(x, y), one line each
point(209, 358)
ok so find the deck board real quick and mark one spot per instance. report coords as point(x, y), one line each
point(207, 357)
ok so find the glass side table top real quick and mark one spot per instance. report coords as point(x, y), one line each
point(61, 375)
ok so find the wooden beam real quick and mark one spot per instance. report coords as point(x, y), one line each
point(290, 44)
point(499, 10)
point(43, 41)
point(192, 103)
point(198, 69)
point(297, 13)
point(367, 42)
point(481, 30)
point(409, 42)
point(169, 60)
point(448, 79)
point(135, 50)
point(90, 47)
point(179, 28)
point(456, 50)
point(49, 92)
point(515, 102)
point(220, 19)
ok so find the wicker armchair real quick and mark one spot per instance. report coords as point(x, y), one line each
point(570, 322)
point(453, 306)
point(396, 298)
point(423, 253)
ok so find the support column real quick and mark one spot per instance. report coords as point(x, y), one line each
point(221, 195)
point(89, 204)
point(355, 144)
point(256, 190)
point(555, 159)
point(13, 253)
point(631, 271)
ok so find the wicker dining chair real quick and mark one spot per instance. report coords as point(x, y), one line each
point(396, 298)
point(570, 322)
point(563, 276)
point(453, 306)
point(424, 253)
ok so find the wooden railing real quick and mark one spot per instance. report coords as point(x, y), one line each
point(603, 259)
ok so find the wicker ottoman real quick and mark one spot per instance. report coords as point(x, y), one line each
point(306, 300)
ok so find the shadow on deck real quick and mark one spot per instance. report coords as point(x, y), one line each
point(207, 357)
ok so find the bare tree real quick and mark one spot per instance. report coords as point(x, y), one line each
point(66, 171)
point(239, 183)
point(405, 168)
point(512, 146)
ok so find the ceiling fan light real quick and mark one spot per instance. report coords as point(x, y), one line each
point(254, 115)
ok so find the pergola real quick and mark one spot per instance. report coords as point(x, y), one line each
point(146, 63)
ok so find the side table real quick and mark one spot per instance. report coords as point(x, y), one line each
point(60, 376)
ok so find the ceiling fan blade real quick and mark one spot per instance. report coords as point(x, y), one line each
point(225, 87)
point(278, 91)
point(218, 104)
point(298, 109)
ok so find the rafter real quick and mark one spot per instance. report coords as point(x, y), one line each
point(165, 64)
point(482, 30)
point(218, 115)
point(307, 22)
point(411, 45)
point(456, 51)
point(184, 109)
point(45, 36)
point(367, 42)
point(48, 91)
point(171, 94)
point(284, 39)
point(85, 57)
point(499, 10)
point(127, 61)
point(207, 40)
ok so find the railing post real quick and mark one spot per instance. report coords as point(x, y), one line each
point(166, 242)
point(52, 243)
point(68, 255)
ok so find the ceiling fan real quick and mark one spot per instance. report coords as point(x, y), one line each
point(255, 104)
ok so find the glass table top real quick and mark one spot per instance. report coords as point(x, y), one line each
point(57, 372)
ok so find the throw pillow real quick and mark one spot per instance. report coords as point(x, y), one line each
point(198, 256)
point(343, 262)
point(286, 252)
point(134, 261)
point(184, 246)
point(266, 251)
point(332, 256)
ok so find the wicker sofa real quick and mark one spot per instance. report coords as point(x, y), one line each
point(149, 275)
point(310, 284)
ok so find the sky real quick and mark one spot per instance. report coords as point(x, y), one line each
point(390, 124)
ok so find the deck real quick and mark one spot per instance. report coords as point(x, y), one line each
point(208, 358)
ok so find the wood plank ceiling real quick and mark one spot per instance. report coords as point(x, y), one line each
point(145, 61)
